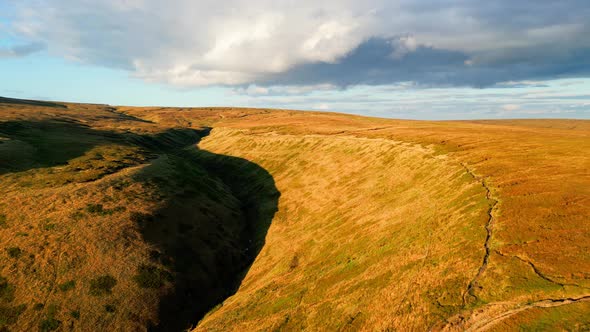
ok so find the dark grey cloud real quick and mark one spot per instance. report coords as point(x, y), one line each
point(372, 64)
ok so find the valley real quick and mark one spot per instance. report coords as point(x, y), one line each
point(216, 219)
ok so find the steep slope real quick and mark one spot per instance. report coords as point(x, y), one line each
point(108, 222)
point(370, 232)
point(532, 230)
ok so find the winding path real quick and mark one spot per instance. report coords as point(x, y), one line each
point(485, 323)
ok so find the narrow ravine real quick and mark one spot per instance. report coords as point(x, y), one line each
point(469, 291)
point(481, 322)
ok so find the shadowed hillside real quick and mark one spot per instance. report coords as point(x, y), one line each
point(122, 229)
point(207, 234)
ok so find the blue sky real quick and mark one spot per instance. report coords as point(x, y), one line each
point(429, 59)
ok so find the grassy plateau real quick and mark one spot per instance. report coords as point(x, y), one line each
point(229, 219)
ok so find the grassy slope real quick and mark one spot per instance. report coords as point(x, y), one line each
point(108, 222)
point(537, 170)
point(369, 232)
point(381, 223)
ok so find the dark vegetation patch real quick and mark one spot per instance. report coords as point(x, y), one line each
point(50, 323)
point(77, 215)
point(98, 209)
point(66, 286)
point(151, 276)
point(110, 308)
point(49, 226)
point(3, 222)
point(14, 252)
point(102, 285)
point(6, 290)
point(75, 314)
point(9, 313)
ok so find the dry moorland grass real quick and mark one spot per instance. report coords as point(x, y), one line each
point(536, 171)
point(381, 224)
point(108, 222)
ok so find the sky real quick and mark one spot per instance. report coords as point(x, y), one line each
point(410, 59)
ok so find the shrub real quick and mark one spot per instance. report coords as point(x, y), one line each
point(150, 276)
point(102, 285)
point(110, 308)
point(49, 226)
point(119, 209)
point(66, 286)
point(49, 324)
point(101, 211)
point(6, 290)
point(3, 223)
point(9, 315)
point(14, 252)
point(95, 208)
point(75, 314)
point(38, 306)
point(77, 215)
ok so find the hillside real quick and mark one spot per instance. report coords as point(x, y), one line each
point(121, 218)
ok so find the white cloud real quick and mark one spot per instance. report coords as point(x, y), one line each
point(510, 107)
point(403, 45)
point(321, 107)
point(188, 43)
point(283, 90)
point(234, 42)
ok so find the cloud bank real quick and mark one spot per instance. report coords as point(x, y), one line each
point(311, 43)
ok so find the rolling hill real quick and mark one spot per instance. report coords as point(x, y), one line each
point(128, 218)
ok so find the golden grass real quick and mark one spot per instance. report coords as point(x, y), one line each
point(103, 195)
point(536, 169)
point(367, 234)
point(381, 224)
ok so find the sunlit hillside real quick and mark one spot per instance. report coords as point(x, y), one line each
point(121, 218)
